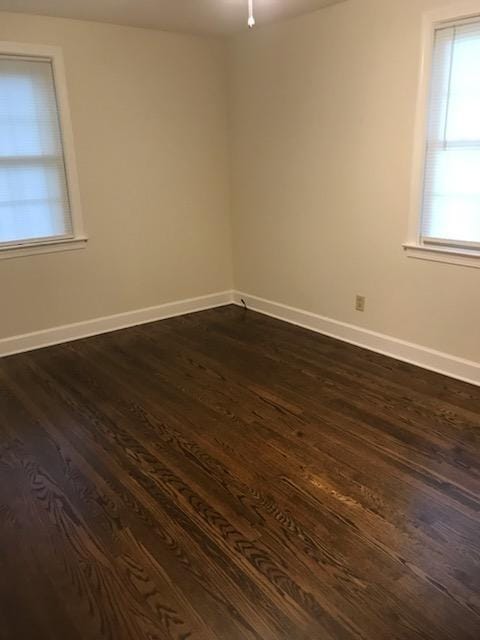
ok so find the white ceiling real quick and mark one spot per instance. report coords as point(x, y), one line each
point(192, 16)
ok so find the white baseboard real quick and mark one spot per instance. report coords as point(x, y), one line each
point(444, 363)
point(449, 365)
point(65, 333)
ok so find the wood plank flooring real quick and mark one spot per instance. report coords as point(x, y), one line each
point(227, 476)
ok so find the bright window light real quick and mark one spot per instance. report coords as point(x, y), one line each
point(34, 199)
point(451, 196)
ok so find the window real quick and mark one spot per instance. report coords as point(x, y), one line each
point(446, 216)
point(39, 204)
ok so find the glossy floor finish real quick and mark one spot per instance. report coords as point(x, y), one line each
point(226, 476)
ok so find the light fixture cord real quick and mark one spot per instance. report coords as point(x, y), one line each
point(251, 19)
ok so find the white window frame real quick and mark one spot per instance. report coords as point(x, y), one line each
point(78, 239)
point(414, 247)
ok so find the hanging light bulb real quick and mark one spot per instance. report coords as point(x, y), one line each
point(251, 19)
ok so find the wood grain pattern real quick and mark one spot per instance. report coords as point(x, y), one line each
point(226, 476)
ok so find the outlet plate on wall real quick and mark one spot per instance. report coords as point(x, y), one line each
point(360, 303)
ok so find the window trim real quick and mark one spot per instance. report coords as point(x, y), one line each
point(414, 246)
point(79, 238)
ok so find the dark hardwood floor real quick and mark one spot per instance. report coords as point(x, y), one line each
point(226, 476)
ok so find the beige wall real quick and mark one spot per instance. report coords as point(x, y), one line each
point(149, 120)
point(322, 113)
point(321, 128)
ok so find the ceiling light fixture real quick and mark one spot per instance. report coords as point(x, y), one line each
point(251, 19)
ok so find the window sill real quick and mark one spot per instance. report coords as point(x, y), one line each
point(461, 257)
point(17, 250)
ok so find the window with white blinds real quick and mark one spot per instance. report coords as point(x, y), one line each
point(38, 190)
point(451, 190)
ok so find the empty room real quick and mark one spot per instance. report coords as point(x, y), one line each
point(240, 319)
